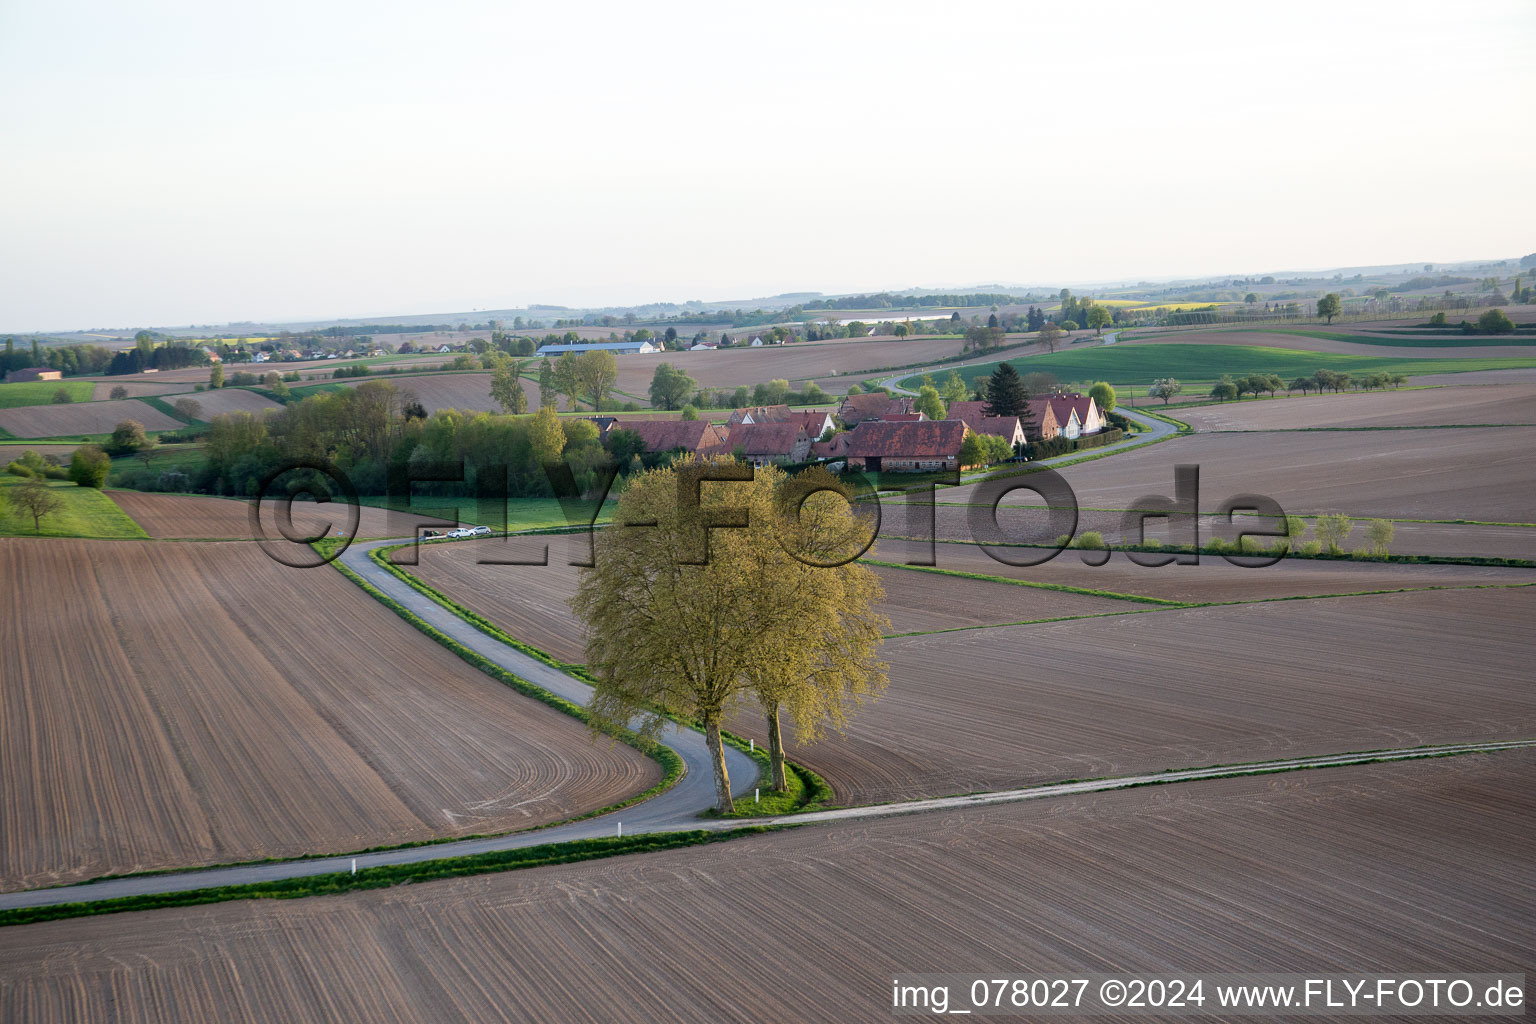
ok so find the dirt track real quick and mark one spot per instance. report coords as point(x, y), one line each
point(178, 704)
point(1338, 870)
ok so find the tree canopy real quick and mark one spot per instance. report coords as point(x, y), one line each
point(1006, 395)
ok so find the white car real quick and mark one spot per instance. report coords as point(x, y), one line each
point(478, 531)
point(456, 534)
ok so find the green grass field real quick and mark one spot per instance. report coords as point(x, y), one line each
point(1416, 339)
point(40, 392)
point(1197, 364)
point(87, 512)
point(521, 513)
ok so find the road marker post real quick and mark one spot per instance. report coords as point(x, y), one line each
point(621, 830)
point(354, 865)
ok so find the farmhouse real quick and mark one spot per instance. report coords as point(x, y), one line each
point(872, 406)
point(764, 444)
point(907, 446)
point(33, 373)
point(761, 414)
point(698, 436)
point(1009, 428)
point(618, 348)
point(1076, 415)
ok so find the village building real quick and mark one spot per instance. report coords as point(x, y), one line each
point(907, 446)
point(872, 406)
point(618, 348)
point(697, 436)
point(765, 444)
point(33, 373)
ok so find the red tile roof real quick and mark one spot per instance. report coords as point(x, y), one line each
point(925, 439)
point(872, 406)
point(968, 411)
point(664, 435)
point(777, 439)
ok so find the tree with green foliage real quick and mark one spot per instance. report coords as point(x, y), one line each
point(547, 394)
point(1103, 395)
point(189, 410)
point(62, 397)
point(928, 402)
point(1164, 388)
point(854, 389)
point(1330, 306)
point(1006, 395)
point(741, 397)
point(1380, 533)
point(118, 393)
point(1494, 321)
point(688, 621)
point(1099, 317)
point(89, 466)
point(1225, 389)
point(1050, 335)
point(1334, 530)
point(128, 438)
point(216, 376)
point(1251, 298)
point(546, 437)
point(954, 389)
point(36, 499)
point(670, 387)
point(507, 389)
point(689, 413)
point(1302, 384)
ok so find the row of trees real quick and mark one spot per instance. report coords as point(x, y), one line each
point(1230, 387)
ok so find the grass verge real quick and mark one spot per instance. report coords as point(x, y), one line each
point(87, 512)
point(383, 876)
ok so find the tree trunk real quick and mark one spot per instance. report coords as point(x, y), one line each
point(723, 802)
point(779, 780)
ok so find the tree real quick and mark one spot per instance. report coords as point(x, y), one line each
point(1099, 317)
point(954, 389)
point(546, 382)
point(1164, 388)
point(89, 466)
point(507, 390)
point(62, 397)
point(689, 413)
point(1103, 395)
point(36, 499)
point(1225, 389)
point(854, 389)
point(928, 402)
point(128, 438)
point(1006, 395)
point(1334, 530)
point(1302, 384)
point(273, 382)
point(1438, 320)
point(189, 409)
point(670, 387)
point(1494, 321)
point(1251, 298)
point(1050, 335)
point(668, 636)
point(1330, 306)
point(1380, 532)
point(118, 393)
point(1070, 325)
point(216, 376)
point(545, 436)
point(596, 374)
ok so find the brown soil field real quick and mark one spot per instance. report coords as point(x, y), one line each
point(138, 387)
point(178, 704)
point(60, 452)
point(81, 418)
point(1481, 474)
point(798, 362)
point(1367, 868)
point(1526, 375)
point(225, 400)
point(1032, 526)
point(456, 390)
point(1301, 342)
point(1016, 705)
point(195, 517)
point(1214, 579)
point(1509, 403)
point(529, 601)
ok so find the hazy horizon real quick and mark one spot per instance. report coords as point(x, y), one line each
point(174, 163)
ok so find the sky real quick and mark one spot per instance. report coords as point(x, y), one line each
point(187, 162)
